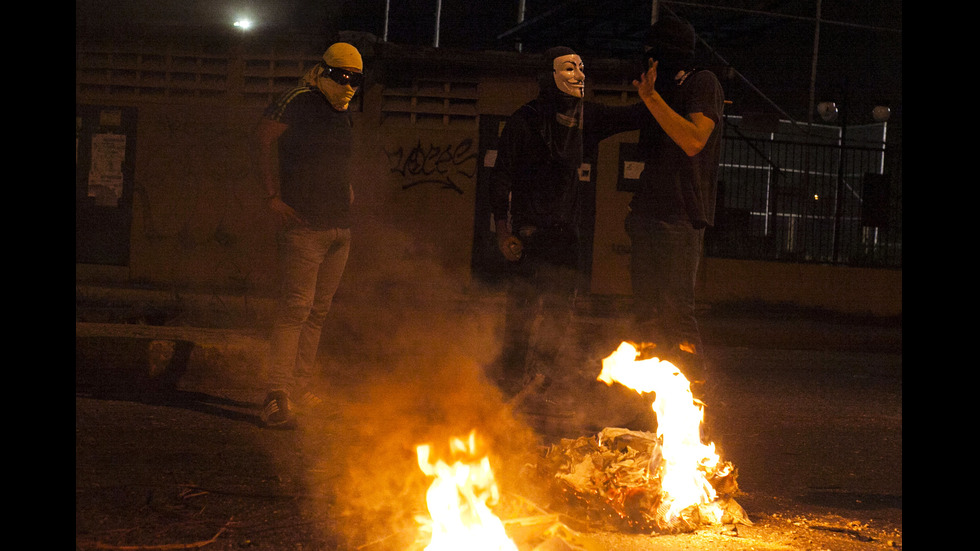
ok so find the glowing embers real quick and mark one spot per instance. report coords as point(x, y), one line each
point(459, 500)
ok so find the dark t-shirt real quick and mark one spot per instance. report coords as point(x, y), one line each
point(673, 186)
point(314, 156)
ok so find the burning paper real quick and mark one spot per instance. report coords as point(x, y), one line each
point(668, 481)
point(679, 418)
point(459, 500)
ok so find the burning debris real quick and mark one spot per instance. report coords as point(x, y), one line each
point(620, 480)
point(616, 481)
point(669, 481)
point(666, 482)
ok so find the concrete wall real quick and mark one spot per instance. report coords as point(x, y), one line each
point(199, 219)
point(198, 213)
point(859, 291)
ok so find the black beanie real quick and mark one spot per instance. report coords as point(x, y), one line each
point(551, 53)
point(671, 39)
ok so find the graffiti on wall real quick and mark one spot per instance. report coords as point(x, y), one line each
point(445, 166)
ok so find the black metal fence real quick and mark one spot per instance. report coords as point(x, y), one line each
point(819, 194)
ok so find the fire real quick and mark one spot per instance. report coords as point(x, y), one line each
point(687, 461)
point(459, 500)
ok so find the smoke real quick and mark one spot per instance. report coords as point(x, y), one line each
point(405, 353)
point(421, 386)
point(426, 400)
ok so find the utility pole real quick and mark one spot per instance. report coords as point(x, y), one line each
point(520, 19)
point(435, 41)
point(384, 34)
point(813, 65)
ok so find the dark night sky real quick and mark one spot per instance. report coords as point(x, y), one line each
point(770, 42)
point(475, 23)
point(464, 23)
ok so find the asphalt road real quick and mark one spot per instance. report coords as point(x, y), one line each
point(813, 424)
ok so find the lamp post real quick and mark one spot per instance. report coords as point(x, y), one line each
point(830, 112)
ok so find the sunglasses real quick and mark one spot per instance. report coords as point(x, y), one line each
point(343, 76)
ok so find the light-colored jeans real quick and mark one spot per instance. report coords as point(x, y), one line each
point(311, 264)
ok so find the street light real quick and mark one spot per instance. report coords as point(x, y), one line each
point(829, 112)
point(881, 113)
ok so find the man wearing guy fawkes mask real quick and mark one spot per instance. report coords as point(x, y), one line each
point(542, 199)
point(675, 199)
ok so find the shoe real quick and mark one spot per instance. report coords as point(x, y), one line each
point(509, 386)
point(527, 387)
point(539, 381)
point(277, 412)
point(511, 382)
point(308, 403)
point(646, 350)
point(691, 365)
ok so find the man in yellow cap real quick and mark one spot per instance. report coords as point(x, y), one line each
point(309, 130)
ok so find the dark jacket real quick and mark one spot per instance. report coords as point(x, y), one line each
point(536, 175)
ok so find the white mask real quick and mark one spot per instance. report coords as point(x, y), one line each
point(570, 75)
point(339, 95)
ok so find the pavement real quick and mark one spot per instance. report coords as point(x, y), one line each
point(116, 324)
point(169, 449)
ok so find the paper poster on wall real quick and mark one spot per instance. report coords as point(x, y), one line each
point(105, 176)
point(631, 166)
point(632, 170)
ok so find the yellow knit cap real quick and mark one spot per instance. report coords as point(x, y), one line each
point(342, 54)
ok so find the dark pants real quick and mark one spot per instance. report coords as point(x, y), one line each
point(544, 283)
point(664, 262)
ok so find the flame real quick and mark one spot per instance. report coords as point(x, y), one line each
point(459, 501)
point(687, 460)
